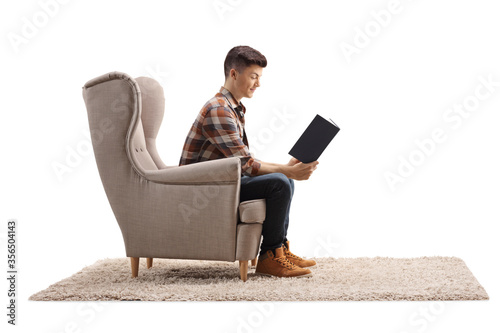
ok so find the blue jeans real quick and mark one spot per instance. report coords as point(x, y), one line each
point(278, 190)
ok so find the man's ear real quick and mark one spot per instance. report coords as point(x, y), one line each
point(233, 73)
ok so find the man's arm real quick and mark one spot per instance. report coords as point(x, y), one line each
point(221, 129)
point(293, 170)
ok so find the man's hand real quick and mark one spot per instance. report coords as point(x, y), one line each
point(302, 171)
point(294, 169)
point(293, 161)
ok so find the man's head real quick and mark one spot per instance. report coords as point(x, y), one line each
point(243, 69)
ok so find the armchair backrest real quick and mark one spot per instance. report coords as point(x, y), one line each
point(113, 102)
point(124, 110)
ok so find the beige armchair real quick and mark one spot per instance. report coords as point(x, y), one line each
point(179, 212)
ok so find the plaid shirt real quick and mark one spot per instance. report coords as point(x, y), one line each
point(218, 132)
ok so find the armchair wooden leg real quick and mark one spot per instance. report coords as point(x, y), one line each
point(254, 262)
point(134, 261)
point(243, 270)
point(150, 262)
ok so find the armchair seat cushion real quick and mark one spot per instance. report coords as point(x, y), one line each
point(253, 211)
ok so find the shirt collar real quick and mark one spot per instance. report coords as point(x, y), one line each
point(232, 100)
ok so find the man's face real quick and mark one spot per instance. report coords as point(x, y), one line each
point(248, 80)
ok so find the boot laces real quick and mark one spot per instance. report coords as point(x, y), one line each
point(283, 261)
point(290, 254)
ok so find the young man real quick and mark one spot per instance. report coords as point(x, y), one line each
point(218, 132)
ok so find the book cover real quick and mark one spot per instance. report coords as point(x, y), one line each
point(314, 140)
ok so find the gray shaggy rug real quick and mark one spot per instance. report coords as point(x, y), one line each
point(334, 279)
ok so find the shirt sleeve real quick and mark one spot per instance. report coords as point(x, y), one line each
point(221, 129)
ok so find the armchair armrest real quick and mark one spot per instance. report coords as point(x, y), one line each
point(220, 171)
point(253, 211)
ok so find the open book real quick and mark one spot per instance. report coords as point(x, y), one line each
point(314, 140)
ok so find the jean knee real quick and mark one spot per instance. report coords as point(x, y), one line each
point(281, 182)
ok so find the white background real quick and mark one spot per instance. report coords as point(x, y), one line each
point(395, 90)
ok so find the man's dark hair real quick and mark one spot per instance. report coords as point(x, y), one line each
point(240, 57)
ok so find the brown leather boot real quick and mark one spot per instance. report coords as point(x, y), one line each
point(277, 265)
point(296, 259)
